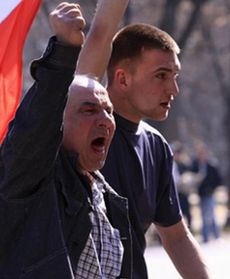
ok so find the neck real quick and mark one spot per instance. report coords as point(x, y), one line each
point(121, 108)
point(89, 176)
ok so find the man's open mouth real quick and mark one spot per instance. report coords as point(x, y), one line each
point(166, 105)
point(98, 144)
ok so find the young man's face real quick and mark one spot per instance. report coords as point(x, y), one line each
point(89, 125)
point(152, 85)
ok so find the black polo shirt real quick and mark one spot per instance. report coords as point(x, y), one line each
point(139, 167)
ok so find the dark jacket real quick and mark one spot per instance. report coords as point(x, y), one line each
point(44, 222)
point(211, 180)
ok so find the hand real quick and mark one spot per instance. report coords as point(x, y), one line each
point(67, 23)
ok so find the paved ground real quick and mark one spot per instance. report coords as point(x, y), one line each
point(217, 253)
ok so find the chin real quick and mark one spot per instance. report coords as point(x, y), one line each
point(97, 166)
point(162, 117)
point(101, 165)
point(159, 118)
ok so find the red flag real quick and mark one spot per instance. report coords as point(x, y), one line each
point(16, 17)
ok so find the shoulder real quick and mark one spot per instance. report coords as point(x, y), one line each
point(159, 139)
point(151, 130)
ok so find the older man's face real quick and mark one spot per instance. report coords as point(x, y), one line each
point(88, 123)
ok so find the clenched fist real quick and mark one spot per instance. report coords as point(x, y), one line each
point(67, 23)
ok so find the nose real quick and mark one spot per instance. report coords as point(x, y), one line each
point(173, 88)
point(176, 88)
point(106, 119)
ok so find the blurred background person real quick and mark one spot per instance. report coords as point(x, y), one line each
point(208, 169)
point(184, 178)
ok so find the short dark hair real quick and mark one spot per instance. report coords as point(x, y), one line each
point(129, 42)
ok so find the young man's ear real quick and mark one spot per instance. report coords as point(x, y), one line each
point(122, 78)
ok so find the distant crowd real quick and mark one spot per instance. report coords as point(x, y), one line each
point(198, 173)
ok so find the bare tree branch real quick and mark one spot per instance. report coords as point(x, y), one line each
point(168, 21)
point(191, 22)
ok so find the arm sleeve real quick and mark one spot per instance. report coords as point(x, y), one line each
point(29, 150)
point(168, 210)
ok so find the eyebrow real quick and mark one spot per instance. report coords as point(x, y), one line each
point(177, 69)
point(91, 104)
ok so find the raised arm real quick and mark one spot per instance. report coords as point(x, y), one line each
point(30, 148)
point(96, 51)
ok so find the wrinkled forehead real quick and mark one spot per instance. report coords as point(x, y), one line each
point(87, 82)
point(84, 87)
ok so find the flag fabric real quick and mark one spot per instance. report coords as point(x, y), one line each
point(16, 17)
